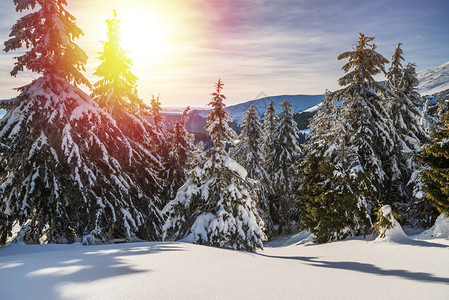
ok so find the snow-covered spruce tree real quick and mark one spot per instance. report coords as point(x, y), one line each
point(66, 169)
point(435, 174)
point(387, 227)
point(403, 106)
point(270, 136)
point(218, 119)
point(179, 159)
point(156, 114)
point(116, 92)
point(371, 130)
point(248, 153)
point(162, 143)
point(323, 126)
point(285, 154)
point(214, 206)
point(395, 72)
point(161, 138)
point(353, 151)
point(330, 201)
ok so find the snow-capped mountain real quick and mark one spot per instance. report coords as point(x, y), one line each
point(299, 103)
point(434, 80)
point(431, 81)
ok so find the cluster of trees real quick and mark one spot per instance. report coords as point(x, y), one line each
point(74, 165)
point(362, 147)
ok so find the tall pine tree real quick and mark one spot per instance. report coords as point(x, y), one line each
point(179, 160)
point(363, 110)
point(285, 154)
point(331, 201)
point(214, 206)
point(270, 125)
point(403, 106)
point(435, 174)
point(163, 145)
point(218, 119)
point(353, 151)
point(117, 88)
point(248, 153)
point(116, 92)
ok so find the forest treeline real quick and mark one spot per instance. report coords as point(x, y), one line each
point(92, 168)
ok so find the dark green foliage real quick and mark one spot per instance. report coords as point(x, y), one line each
point(347, 151)
point(281, 160)
point(302, 119)
point(385, 219)
point(435, 174)
point(327, 205)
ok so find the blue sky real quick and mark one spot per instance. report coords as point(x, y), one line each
point(275, 47)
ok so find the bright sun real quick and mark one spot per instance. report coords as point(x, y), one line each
point(144, 35)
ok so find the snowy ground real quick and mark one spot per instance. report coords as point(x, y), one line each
point(288, 268)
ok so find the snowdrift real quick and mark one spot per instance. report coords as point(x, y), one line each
point(439, 230)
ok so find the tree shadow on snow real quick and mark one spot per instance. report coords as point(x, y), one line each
point(42, 272)
point(401, 241)
point(364, 268)
point(421, 243)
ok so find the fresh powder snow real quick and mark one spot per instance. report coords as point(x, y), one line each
point(350, 269)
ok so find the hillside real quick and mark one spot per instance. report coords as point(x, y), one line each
point(434, 80)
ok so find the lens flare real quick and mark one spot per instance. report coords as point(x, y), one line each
point(144, 35)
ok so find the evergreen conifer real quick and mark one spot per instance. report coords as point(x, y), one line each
point(117, 88)
point(331, 201)
point(435, 174)
point(248, 153)
point(346, 166)
point(182, 149)
point(270, 125)
point(403, 106)
point(285, 155)
point(214, 206)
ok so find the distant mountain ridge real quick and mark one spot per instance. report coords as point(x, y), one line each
point(431, 81)
point(299, 103)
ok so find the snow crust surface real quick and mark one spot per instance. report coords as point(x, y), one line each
point(350, 269)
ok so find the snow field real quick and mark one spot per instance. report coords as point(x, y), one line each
point(350, 269)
